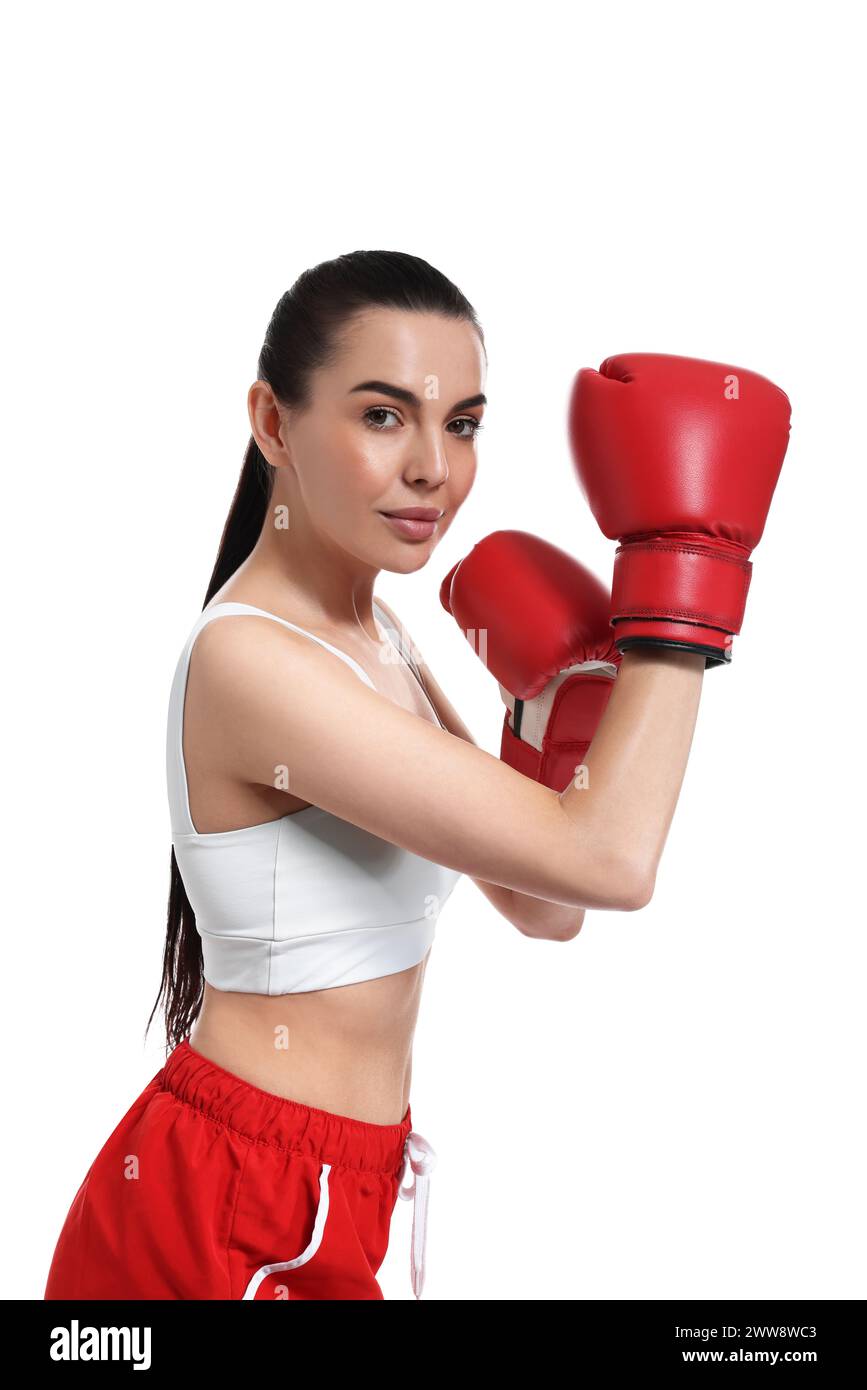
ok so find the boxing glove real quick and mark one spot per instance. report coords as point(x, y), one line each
point(678, 459)
point(541, 624)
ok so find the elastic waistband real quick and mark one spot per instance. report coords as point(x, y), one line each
point(287, 1124)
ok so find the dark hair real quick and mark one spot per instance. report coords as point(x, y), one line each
point(303, 335)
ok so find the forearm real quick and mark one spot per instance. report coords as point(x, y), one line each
point(548, 921)
point(531, 915)
point(636, 763)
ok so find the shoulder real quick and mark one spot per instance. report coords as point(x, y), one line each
point(238, 654)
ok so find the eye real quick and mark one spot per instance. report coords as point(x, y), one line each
point(468, 420)
point(379, 410)
point(387, 411)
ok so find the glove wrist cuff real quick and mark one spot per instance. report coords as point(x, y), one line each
point(672, 585)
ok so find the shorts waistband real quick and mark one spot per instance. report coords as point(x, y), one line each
point(270, 1119)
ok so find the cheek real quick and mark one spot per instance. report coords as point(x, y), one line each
point(374, 470)
point(365, 466)
point(350, 475)
point(463, 475)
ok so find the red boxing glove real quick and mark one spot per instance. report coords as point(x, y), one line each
point(678, 459)
point(541, 624)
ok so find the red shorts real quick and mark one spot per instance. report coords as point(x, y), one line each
point(211, 1188)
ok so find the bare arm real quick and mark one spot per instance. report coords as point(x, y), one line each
point(531, 915)
point(634, 763)
point(281, 701)
point(637, 760)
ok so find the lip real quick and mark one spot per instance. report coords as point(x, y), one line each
point(417, 523)
point(416, 513)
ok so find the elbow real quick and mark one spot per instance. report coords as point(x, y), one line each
point(634, 890)
point(573, 927)
point(624, 887)
point(556, 923)
point(609, 873)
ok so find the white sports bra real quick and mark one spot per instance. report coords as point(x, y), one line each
point(304, 902)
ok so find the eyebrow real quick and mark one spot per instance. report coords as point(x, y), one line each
point(399, 393)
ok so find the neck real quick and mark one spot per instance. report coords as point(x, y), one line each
point(296, 567)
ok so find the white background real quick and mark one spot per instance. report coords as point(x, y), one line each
point(672, 1105)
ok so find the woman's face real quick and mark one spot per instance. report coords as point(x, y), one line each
point(391, 426)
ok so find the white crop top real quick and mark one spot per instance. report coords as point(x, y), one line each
point(304, 902)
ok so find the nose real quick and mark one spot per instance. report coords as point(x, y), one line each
point(428, 462)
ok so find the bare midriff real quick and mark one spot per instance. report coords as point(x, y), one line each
point(346, 1050)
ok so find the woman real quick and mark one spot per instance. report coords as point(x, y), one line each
point(325, 798)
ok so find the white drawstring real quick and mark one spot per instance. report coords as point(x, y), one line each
point(312, 1247)
point(421, 1159)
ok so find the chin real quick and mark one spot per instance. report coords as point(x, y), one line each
point(407, 563)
